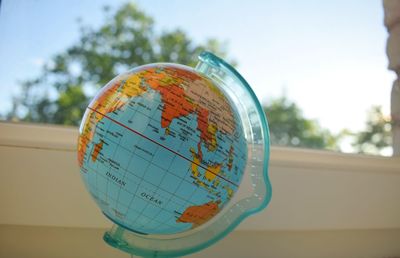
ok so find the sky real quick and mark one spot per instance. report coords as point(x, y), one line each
point(327, 56)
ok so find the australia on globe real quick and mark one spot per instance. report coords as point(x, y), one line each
point(161, 149)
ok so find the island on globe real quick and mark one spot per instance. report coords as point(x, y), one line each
point(161, 149)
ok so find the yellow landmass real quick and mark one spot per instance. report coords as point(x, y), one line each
point(132, 87)
point(113, 97)
point(212, 172)
point(195, 163)
point(212, 144)
point(201, 183)
point(229, 191)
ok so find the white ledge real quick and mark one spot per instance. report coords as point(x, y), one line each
point(312, 190)
point(56, 137)
point(41, 136)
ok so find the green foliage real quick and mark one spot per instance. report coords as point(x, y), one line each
point(128, 39)
point(125, 40)
point(377, 134)
point(288, 127)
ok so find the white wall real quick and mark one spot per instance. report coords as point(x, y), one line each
point(319, 197)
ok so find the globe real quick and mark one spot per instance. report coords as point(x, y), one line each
point(163, 148)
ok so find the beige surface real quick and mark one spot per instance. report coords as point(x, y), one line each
point(312, 190)
point(324, 204)
point(46, 242)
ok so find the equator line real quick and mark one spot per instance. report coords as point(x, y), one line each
point(159, 144)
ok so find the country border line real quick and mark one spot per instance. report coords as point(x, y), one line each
point(159, 144)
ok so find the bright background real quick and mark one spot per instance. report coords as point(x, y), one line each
point(327, 56)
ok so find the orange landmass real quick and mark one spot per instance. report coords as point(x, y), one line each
point(175, 104)
point(156, 79)
point(181, 101)
point(182, 91)
point(84, 136)
point(112, 98)
point(96, 150)
point(106, 102)
point(206, 135)
point(182, 73)
point(199, 152)
point(197, 215)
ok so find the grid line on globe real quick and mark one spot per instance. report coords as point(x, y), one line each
point(133, 156)
point(142, 179)
point(150, 207)
point(160, 145)
point(216, 154)
point(134, 194)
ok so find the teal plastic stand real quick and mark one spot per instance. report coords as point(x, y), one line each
point(254, 192)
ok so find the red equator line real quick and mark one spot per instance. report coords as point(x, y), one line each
point(159, 144)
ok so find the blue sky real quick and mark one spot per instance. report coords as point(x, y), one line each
point(327, 56)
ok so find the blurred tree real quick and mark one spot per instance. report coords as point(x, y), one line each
point(377, 135)
point(288, 127)
point(125, 40)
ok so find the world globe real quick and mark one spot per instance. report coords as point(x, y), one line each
point(163, 148)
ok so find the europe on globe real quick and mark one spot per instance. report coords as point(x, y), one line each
point(161, 149)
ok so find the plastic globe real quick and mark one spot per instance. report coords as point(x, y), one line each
point(169, 154)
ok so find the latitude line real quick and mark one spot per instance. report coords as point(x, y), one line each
point(141, 178)
point(128, 207)
point(159, 144)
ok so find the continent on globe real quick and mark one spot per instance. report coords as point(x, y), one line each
point(197, 215)
point(108, 101)
point(163, 148)
point(158, 141)
point(96, 150)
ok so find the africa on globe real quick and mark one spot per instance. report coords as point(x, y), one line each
point(162, 149)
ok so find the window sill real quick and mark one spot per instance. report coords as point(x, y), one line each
point(312, 190)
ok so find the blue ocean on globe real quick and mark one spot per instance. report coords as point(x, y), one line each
point(153, 179)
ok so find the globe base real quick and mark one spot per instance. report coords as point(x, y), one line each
point(252, 154)
point(122, 239)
